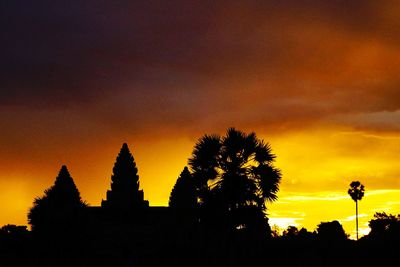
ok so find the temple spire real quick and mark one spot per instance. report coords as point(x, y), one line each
point(124, 194)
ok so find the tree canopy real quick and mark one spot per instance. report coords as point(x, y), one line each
point(60, 205)
point(235, 176)
point(385, 226)
point(331, 231)
point(356, 191)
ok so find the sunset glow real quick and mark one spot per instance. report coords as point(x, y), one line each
point(318, 81)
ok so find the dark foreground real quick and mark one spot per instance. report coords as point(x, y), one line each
point(149, 247)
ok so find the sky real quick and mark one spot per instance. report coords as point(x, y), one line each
point(318, 80)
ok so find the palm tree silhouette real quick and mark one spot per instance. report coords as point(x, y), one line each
point(356, 192)
point(236, 172)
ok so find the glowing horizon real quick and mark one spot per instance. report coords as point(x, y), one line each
point(327, 200)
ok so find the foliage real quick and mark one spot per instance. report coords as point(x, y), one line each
point(293, 233)
point(384, 226)
point(11, 229)
point(356, 190)
point(235, 176)
point(331, 231)
point(60, 206)
point(290, 232)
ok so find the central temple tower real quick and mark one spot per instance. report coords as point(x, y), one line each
point(124, 195)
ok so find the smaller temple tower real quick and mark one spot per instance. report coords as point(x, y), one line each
point(124, 196)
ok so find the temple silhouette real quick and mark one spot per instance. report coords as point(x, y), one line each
point(124, 229)
point(125, 209)
point(125, 195)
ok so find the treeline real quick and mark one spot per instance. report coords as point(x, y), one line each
point(383, 228)
point(328, 245)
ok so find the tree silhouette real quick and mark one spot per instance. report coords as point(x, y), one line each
point(124, 194)
point(331, 231)
point(385, 226)
point(293, 233)
point(60, 206)
point(235, 175)
point(356, 192)
point(290, 232)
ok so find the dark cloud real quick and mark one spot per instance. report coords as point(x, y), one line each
point(177, 63)
point(75, 49)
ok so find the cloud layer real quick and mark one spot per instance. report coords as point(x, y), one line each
point(254, 62)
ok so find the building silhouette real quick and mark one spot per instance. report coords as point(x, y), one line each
point(125, 195)
point(125, 209)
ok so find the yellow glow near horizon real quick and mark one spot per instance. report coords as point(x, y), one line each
point(317, 167)
point(15, 199)
point(308, 210)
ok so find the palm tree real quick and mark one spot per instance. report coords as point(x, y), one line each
point(235, 174)
point(356, 192)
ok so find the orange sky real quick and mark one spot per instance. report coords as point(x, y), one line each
point(317, 79)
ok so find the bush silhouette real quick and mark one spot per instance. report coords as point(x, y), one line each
point(290, 232)
point(384, 226)
point(331, 231)
point(60, 207)
point(13, 229)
